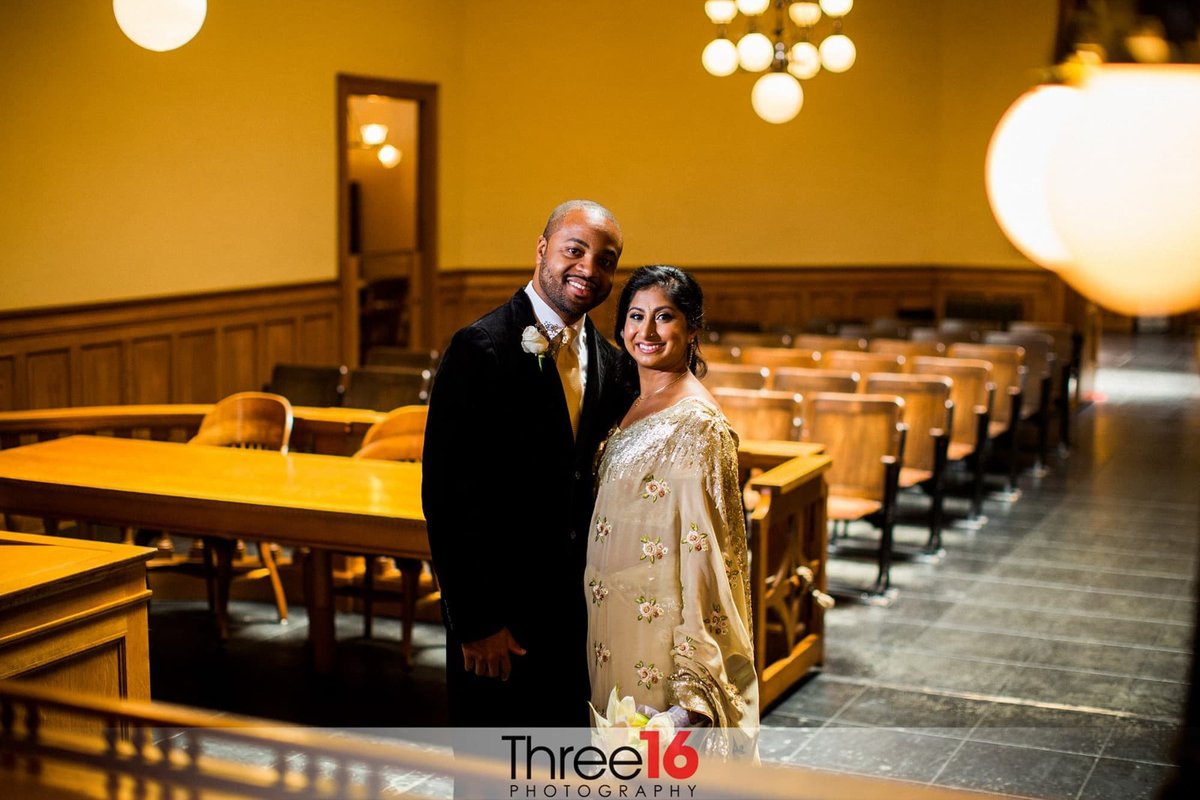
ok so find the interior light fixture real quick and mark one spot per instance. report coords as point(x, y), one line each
point(160, 25)
point(789, 54)
point(1099, 178)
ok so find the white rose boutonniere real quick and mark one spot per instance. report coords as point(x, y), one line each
point(533, 341)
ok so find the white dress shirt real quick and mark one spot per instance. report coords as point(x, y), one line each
point(552, 321)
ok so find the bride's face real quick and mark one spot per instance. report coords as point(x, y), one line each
point(656, 332)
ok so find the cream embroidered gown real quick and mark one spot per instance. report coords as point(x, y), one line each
point(668, 594)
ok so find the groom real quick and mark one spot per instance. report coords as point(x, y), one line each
point(521, 401)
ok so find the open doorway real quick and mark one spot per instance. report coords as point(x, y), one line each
point(387, 213)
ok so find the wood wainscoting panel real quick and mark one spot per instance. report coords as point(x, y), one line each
point(279, 341)
point(239, 362)
point(48, 374)
point(102, 377)
point(149, 370)
point(8, 380)
point(187, 349)
point(196, 365)
point(318, 341)
point(791, 298)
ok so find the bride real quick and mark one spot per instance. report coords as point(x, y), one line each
point(666, 579)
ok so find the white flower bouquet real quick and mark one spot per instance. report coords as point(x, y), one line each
point(622, 724)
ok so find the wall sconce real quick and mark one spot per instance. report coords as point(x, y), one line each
point(1098, 178)
point(160, 25)
point(373, 136)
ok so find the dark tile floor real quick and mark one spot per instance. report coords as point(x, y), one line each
point(1047, 655)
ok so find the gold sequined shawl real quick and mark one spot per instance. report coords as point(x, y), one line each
point(666, 578)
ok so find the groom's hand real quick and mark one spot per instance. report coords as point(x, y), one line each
point(489, 657)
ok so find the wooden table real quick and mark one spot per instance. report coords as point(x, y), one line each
point(326, 503)
point(73, 615)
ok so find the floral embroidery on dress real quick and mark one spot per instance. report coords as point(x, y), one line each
point(731, 569)
point(648, 610)
point(686, 648)
point(717, 622)
point(696, 541)
point(648, 674)
point(653, 550)
point(599, 591)
point(735, 696)
point(603, 654)
point(653, 489)
point(603, 528)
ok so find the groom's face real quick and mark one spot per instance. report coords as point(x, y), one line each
point(576, 265)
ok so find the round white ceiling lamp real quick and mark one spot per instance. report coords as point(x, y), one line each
point(720, 57)
point(1101, 183)
point(1017, 171)
point(777, 97)
point(755, 52)
point(837, 52)
point(160, 25)
point(720, 12)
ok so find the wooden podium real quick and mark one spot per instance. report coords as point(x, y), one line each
point(73, 615)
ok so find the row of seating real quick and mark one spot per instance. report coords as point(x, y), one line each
point(392, 377)
point(889, 431)
point(1024, 367)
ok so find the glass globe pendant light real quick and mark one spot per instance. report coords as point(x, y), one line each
point(160, 25)
point(720, 12)
point(755, 52)
point(777, 96)
point(720, 57)
point(837, 52)
point(752, 8)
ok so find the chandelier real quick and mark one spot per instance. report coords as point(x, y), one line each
point(786, 57)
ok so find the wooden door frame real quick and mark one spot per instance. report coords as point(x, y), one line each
point(423, 296)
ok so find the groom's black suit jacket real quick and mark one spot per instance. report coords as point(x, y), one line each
point(508, 496)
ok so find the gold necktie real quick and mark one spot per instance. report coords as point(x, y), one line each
point(567, 362)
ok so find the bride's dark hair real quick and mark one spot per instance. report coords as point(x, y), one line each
point(684, 292)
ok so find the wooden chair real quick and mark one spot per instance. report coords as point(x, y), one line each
point(943, 337)
point(821, 342)
point(385, 388)
point(907, 348)
point(716, 353)
point(382, 355)
point(775, 357)
point(253, 421)
point(736, 376)
point(975, 328)
point(1039, 383)
point(307, 385)
point(864, 435)
point(1008, 374)
point(971, 392)
point(761, 414)
point(1066, 354)
point(888, 327)
point(929, 417)
point(400, 436)
point(805, 381)
point(862, 362)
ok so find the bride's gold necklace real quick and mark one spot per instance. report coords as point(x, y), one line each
point(662, 388)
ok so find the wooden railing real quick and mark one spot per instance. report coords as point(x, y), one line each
point(156, 750)
point(787, 566)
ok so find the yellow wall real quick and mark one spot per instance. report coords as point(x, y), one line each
point(130, 174)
